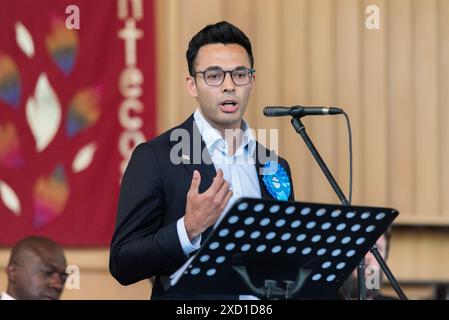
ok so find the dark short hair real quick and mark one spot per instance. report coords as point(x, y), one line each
point(221, 32)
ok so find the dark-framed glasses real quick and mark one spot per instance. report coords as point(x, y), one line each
point(214, 76)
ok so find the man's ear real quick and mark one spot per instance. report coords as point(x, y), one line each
point(191, 86)
point(253, 82)
point(11, 272)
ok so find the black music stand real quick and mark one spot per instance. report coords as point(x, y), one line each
point(281, 250)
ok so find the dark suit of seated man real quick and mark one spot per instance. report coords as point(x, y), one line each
point(177, 185)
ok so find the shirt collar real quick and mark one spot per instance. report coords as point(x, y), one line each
point(5, 296)
point(213, 139)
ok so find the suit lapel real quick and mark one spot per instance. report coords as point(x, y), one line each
point(261, 150)
point(195, 156)
point(199, 159)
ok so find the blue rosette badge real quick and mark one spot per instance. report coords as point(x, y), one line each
point(276, 180)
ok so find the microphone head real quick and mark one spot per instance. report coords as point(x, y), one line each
point(335, 110)
point(276, 111)
point(269, 111)
point(299, 111)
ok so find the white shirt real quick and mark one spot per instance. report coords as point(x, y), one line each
point(5, 296)
point(239, 171)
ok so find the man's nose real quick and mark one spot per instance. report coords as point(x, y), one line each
point(228, 84)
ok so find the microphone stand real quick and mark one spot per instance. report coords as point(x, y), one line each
point(301, 130)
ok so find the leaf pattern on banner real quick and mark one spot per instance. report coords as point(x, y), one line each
point(84, 111)
point(84, 157)
point(50, 195)
point(9, 198)
point(10, 82)
point(62, 45)
point(24, 39)
point(43, 113)
point(10, 150)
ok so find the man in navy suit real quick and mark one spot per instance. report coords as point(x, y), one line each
point(178, 185)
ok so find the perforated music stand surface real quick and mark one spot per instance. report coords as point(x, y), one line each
point(274, 239)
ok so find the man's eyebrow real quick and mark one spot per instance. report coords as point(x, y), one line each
point(57, 269)
point(213, 67)
point(53, 267)
point(46, 262)
point(219, 67)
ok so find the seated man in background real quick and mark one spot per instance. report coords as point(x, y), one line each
point(36, 270)
point(373, 273)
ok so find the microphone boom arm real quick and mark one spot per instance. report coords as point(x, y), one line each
point(299, 128)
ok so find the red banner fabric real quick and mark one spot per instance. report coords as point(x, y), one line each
point(77, 93)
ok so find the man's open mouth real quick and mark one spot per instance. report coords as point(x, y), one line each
point(229, 106)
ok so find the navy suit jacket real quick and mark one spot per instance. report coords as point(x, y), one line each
point(152, 199)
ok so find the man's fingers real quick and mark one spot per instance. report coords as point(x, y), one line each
point(196, 180)
point(219, 173)
point(223, 190)
point(217, 183)
point(225, 200)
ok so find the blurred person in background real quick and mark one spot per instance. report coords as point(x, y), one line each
point(36, 270)
point(350, 290)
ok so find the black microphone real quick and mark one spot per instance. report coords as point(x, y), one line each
point(299, 111)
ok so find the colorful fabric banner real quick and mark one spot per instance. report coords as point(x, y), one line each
point(77, 93)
